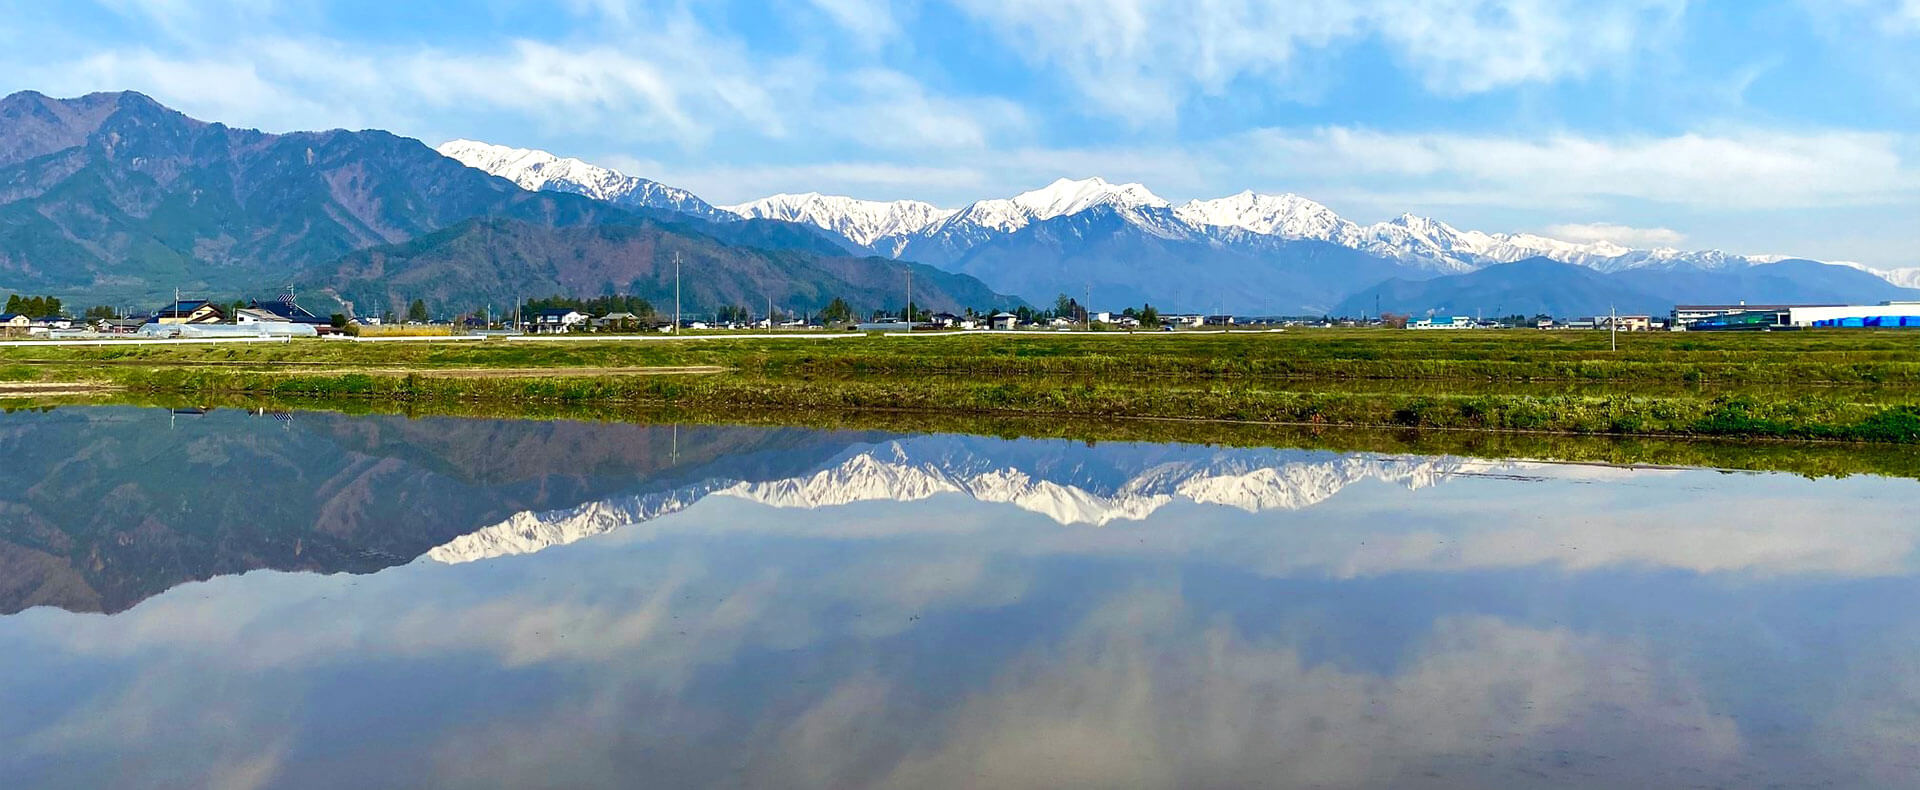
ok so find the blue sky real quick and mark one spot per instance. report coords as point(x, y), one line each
point(1756, 127)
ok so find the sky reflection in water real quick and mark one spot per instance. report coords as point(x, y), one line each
point(807, 609)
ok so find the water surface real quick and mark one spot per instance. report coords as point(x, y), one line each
point(315, 600)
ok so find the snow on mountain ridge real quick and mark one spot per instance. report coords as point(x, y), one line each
point(890, 227)
point(910, 470)
point(535, 170)
point(862, 221)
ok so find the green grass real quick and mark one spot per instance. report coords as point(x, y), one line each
point(1841, 386)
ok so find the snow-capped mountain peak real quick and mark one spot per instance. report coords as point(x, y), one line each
point(536, 170)
point(861, 221)
point(1066, 196)
point(1287, 215)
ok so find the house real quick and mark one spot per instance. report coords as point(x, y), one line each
point(944, 320)
point(558, 320)
point(117, 326)
point(1004, 320)
point(283, 310)
point(1126, 322)
point(1183, 320)
point(1217, 320)
point(15, 324)
point(618, 322)
point(1626, 323)
point(189, 311)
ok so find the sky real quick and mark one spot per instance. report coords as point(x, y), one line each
point(1754, 126)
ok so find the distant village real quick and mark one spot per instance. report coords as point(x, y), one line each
point(282, 316)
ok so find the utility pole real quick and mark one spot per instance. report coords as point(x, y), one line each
point(1613, 323)
point(909, 298)
point(676, 295)
point(1086, 308)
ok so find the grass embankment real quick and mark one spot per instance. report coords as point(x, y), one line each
point(1849, 386)
point(1811, 460)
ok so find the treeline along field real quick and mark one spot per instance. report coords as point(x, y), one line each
point(1849, 386)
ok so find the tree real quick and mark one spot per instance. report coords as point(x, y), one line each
point(338, 320)
point(1393, 320)
point(13, 304)
point(101, 311)
point(417, 312)
point(1149, 316)
point(837, 312)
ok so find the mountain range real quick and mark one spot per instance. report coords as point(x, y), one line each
point(114, 198)
point(1069, 483)
point(1258, 253)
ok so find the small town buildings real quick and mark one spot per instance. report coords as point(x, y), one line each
point(557, 320)
point(1218, 320)
point(1443, 322)
point(944, 320)
point(15, 324)
point(1004, 320)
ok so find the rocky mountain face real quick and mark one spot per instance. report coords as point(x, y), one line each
point(115, 196)
point(484, 262)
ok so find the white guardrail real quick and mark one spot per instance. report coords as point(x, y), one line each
point(670, 337)
point(405, 338)
point(1076, 333)
point(181, 341)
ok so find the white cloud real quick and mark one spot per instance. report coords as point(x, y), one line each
point(869, 20)
point(1618, 234)
point(1744, 170)
point(1140, 59)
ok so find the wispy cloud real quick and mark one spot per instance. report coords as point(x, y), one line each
point(1617, 234)
point(1141, 59)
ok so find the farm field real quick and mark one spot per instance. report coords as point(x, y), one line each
point(1843, 385)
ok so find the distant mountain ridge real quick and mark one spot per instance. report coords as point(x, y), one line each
point(496, 262)
point(539, 170)
point(114, 198)
point(1544, 286)
point(1248, 253)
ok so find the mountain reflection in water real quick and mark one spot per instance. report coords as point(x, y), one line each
point(776, 607)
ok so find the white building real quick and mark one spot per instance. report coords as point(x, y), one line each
point(1885, 314)
point(1443, 322)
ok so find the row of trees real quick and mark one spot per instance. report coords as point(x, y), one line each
point(33, 306)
